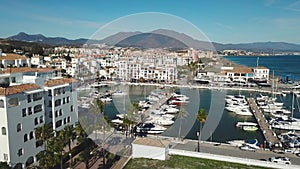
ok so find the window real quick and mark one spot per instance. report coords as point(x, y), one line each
point(57, 102)
point(64, 100)
point(12, 102)
point(69, 119)
point(1, 103)
point(25, 137)
point(5, 157)
point(58, 123)
point(41, 119)
point(49, 93)
point(13, 79)
point(38, 108)
point(38, 143)
point(31, 135)
point(71, 108)
point(36, 122)
point(56, 113)
point(29, 98)
point(19, 127)
point(37, 96)
point(29, 110)
point(3, 130)
point(24, 112)
point(20, 152)
point(68, 99)
point(65, 120)
point(60, 112)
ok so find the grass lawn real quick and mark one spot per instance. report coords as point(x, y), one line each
point(183, 162)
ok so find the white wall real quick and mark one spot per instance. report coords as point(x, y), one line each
point(142, 151)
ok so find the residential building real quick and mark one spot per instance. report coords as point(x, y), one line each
point(29, 98)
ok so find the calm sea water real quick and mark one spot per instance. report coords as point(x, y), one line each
point(280, 64)
point(223, 120)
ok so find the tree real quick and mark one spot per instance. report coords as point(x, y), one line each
point(4, 165)
point(43, 133)
point(80, 132)
point(182, 113)
point(69, 134)
point(85, 156)
point(201, 117)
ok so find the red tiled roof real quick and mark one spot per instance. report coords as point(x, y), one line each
point(25, 69)
point(55, 82)
point(240, 70)
point(12, 56)
point(17, 89)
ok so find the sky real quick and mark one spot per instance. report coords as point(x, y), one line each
point(224, 21)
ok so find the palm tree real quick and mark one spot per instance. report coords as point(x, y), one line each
point(69, 135)
point(201, 117)
point(46, 159)
point(43, 133)
point(85, 156)
point(182, 113)
point(96, 108)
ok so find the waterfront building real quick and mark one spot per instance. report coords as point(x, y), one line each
point(261, 72)
point(29, 98)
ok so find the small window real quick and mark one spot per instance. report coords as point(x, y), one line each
point(71, 108)
point(5, 157)
point(19, 127)
point(3, 130)
point(37, 96)
point(50, 103)
point(13, 79)
point(25, 137)
point(12, 102)
point(49, 93)
point(24, 112)
point(29, 110)
point(64, 100)
point(58, 123)
point(1, 103)
point(57, 102)
point(56, 113)
point(20, 152)
point(36, 122)
point(29, 98)
point(41, 119)
point(31, 135)
point(68, 99)
point(38, 108)
point(60, 112)
point(69, 119)
point(65, 121)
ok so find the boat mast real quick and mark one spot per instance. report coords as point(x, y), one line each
point(293, 100)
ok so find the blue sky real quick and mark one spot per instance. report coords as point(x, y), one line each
point(225, 21)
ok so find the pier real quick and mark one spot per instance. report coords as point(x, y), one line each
point(156, 106)
point(266, 129)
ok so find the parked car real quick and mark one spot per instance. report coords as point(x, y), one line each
point(280, 160)
point(298, 154)
point(288, 151)
point(247, 148)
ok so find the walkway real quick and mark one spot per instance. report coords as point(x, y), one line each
point(266, 129)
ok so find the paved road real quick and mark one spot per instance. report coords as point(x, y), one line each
point(232, 151)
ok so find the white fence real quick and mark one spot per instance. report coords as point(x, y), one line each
point(231, 159)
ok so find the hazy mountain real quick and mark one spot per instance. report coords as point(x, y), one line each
point(118, 37)
point(157, 38)
point(151, 40)
point(46, 40)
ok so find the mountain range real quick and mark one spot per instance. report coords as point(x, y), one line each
point(159, 38)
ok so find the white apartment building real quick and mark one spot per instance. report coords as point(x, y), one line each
point(29, 98)
point(261, 72)
point(159, 70)
point(13, 60)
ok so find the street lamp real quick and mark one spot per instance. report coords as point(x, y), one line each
point(198, 145)
point(71, 160)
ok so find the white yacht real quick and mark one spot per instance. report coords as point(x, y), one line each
point(119, 93)
point(251, 142)
point(242, 124)
point(286, 123)
point(106, 99)
point(243, 112)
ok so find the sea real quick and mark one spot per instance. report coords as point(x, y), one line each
point(220, 124)
point(281, 65)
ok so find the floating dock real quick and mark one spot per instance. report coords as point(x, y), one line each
point(265, 127)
